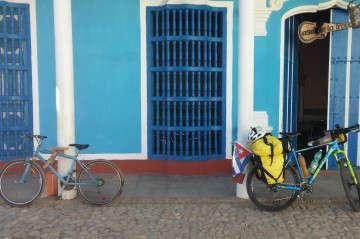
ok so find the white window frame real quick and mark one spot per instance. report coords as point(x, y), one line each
point(229, 65)
point(34, 62)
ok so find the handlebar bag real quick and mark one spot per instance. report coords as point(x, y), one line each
point(341, 138)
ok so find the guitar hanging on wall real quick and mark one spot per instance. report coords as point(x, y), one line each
point(310, 31)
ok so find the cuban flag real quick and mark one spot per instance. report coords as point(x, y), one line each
point(241, 157)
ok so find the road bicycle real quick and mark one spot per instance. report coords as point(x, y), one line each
point(280, 196)
point(23, 180)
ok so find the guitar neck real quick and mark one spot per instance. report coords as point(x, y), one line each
point(332, 27)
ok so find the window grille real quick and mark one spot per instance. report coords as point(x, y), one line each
point(15, 81)
point(186, 53)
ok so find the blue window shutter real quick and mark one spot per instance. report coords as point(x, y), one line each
point(338, 65)
point(186, 46)
point(354, 95)
point(15, 81)
point(338, 60)
point(290, 93)
point(338, 97)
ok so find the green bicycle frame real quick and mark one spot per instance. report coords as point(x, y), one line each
point(334, 151)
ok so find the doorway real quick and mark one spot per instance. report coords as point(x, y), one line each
point(306, 77)
point(321, 81)
point(313, 78)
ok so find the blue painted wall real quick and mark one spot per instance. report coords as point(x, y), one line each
point(267, 73)
point(235, 68)
point(46, 69)
point(107, 74)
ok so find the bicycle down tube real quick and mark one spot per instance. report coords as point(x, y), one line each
point(74, 159)
point(334, 150)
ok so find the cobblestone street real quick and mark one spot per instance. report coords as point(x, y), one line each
point(179, 217)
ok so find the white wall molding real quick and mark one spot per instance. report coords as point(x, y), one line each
point(263, 9)
point(229, 65)
point(145, 3)
point(112, 156)
point(261, 118)
point(292, 12)
point(143, 76)
point(314, 8)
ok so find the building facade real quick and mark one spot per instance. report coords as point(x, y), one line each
point(167, 86)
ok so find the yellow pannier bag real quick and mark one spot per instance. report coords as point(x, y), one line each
point(270, 151)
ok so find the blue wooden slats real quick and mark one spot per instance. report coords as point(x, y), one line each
point(338, 58)
point(354, 95)
point(290, 76)
point(15, 81)
point(187, 71)
point(338, 72)
point(340, 99)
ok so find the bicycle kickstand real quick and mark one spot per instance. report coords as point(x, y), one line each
point(62, 188)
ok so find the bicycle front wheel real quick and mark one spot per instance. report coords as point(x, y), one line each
point(269, 197)
point(21, 182)
point(101, 182)
point(350, 181)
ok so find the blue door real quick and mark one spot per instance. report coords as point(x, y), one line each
point(290, 93)
point(15, 81)
point(344, 81)
point(186, 49)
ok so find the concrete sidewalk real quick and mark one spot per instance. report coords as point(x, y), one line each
point(143, 187)
point(184, 207)
point(154, 186)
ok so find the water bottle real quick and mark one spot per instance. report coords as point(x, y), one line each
point(302, 163)
point(315, 162)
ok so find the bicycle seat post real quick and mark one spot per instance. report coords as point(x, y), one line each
point(77, 151)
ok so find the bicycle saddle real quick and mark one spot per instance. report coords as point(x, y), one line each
point(290, 135)
point(327, 138)
point(80, 146)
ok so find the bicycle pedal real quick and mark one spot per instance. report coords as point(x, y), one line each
point(58, 197)
point(308, 188)
point(301, 198)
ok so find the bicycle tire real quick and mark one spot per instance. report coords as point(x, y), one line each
point(273, 205)
point(100, 193)
point(17, 193)
point(352, 190)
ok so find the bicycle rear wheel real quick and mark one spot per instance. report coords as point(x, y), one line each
point(21, 182)
point(350, 183)
point(101, 182)
point(269, 197)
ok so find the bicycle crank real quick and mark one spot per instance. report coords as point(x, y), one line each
point(67, 187)
point(100, 182)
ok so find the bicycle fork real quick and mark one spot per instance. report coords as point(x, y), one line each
point(348, 164)
point(26, 172)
